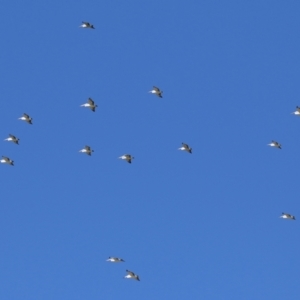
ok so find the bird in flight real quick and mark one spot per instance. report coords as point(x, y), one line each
point(275, 144)
point(287, 216)
point(87, 25)
point(87, 150)
point(6, 160)
point(12, 138)
point(156, 91)
point(127, 157)
point(115, 259)
point(131, 275)
point(26, 118)
point(90, 104)
point(185, 147)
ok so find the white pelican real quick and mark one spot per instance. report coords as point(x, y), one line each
point(6, 160)
point(127, 157)
point(131, 275)
point(156, 91)
point(87, 150)
point(26, 118)
point(297, 111)
point(13, 139)
point(115, 259)
point(91, 104)
point(287, 216)
point(275, 144)
point(185, 147)
point(87, 25)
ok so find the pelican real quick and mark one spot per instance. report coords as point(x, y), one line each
point(115, 259)
point(13, 139)
point(87, 25)
point(87, 150)
point(6, 160)
point(287, 216)
point(127, 157)
point(275, 144)
point(91, 104)
point(156, 91)
point(26, 118)
point(131, 275)
point(185, 147)
point(297, 111)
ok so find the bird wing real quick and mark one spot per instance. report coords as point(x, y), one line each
point(90, 101)
point(156, 88)
point(5, 158)
point(186, 146)
point(298, 108)
point(130, 273)
point(12, 136)
point(26, 116)
point(88, 148)
point(86, 23)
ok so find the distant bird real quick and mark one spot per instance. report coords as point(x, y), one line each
point(297, 111)
point(6, 160)
point(131, 275)
point(127, 157)
point(87, 150)
point(91, 104)
point(26, 118)
point(13, 139)
point(115, 259)
point(287, 216)
point(185, 147)
point(275, 144)
point(87, 25)
point(156, 91)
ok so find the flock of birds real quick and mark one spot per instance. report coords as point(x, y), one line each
point(128, 157)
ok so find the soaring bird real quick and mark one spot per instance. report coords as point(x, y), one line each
point(13, 139)
point(185, 147)
point(87, 150)
point(87, 25)
point(287, 216)
point(297, 111)
point(131, 275)
point(156, 91)
point(115, 259)
point(127, 157)
point(6, 160)
point(26, 118)
point(91, 104)
point(275, 144)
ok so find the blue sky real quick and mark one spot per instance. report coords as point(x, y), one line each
point(200, 226)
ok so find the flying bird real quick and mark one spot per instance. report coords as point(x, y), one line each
point(185, 147)
point(87, 25)
point(287, 216)
point(87, 150)
point(297, 111)
point(6, 160)
point(131, 275)
point(115, 259)
point(26, 118)
point(90, 104)
point(127, 157)
point(275, 144)
point(156, 91)
point(13, 139)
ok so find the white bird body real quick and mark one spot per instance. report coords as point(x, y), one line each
point(185, 147)
point(87, 25)
point(275, 144)
point(127, 157)
point(131, 275)
point(156, 91)
point(13, 139)
point(90, 104)
point(26, 118)
point(6, 160)
point(115, 259)
point(287, 216)
point(87, 150)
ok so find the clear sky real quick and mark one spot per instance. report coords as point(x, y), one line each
point(192, 226)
